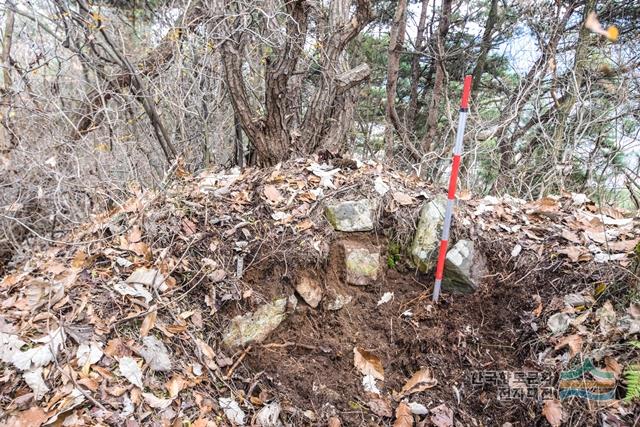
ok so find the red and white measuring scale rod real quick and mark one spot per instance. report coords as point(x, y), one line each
point(453, 180)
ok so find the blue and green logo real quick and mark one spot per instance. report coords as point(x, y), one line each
point(587, 382)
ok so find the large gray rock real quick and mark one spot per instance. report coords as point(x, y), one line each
point(426, 241)
point(256, 326)
point(362, 263)
point(351, 215)
point(463, 268)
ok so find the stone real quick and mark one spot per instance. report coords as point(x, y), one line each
point(577, 300)
point(338, 302)
point(256, 326)
point(362, 263)
point(463, 268)
point(292, 303)
point(558, 323)
point(426, 241)
point(351, 215)
point(310, 290)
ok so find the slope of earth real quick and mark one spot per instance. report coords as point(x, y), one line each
point(142, 316)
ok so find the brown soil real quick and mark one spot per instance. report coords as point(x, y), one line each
point(308, 361)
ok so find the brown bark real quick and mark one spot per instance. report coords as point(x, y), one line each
point(412, 108)
point(270, 134)
point(5, 93)
point(328, 101)
point(396, 40)
point(341, 115)
point(434, 108)
point(513, 107)
point(564, 109)
point(149, 67)
point(485, 44)
point(275, 135)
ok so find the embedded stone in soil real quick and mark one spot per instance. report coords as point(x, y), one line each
point(350, 215)
point(309, 289)
point(308, 360)
point(426, 240)
point(362, 262)
point(256, 326)
point(464, 268)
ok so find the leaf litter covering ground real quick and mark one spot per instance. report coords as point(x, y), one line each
point(124, 323)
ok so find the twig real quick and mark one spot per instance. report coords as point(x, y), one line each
point(237, 362)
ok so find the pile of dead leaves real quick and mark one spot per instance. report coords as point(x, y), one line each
point(117, 322)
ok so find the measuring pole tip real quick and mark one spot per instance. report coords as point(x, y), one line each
point(466, 92)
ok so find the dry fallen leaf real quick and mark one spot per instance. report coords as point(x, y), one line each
point(575, 253)
point(574, 342)
point(571, 236)
point(175, 385)
point(156, 402)
point(32, 417)
point(148, 322)
point(89, 354)
point(404, 417)
point(538, 310)
point(131, 371)
point(368, 363)
point(403, 199)
point(135, 235)
point(552, 411)
point(155, 354)
point(606, 316)
point(41, 355)
point(218, 275)
point(624, 246)
point(115, 349)
point(442, 416)
point(380, 407)
point(420, 381)
point(149, 278)
point(272, 193)
point(232, 410)
point(612, 365)
point(34, 380)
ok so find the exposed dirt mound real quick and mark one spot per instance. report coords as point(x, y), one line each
point(81, 321)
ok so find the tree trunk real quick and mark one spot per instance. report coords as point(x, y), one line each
point(150, 66)
point(396, 41)
point(412, 108)
point(561, 128)
point(434, 108)
point(485, 45)
point(520, 96)
point(6, 89)
point(278, 133)
point(327, 106)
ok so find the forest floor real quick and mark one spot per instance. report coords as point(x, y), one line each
point(122, 322)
